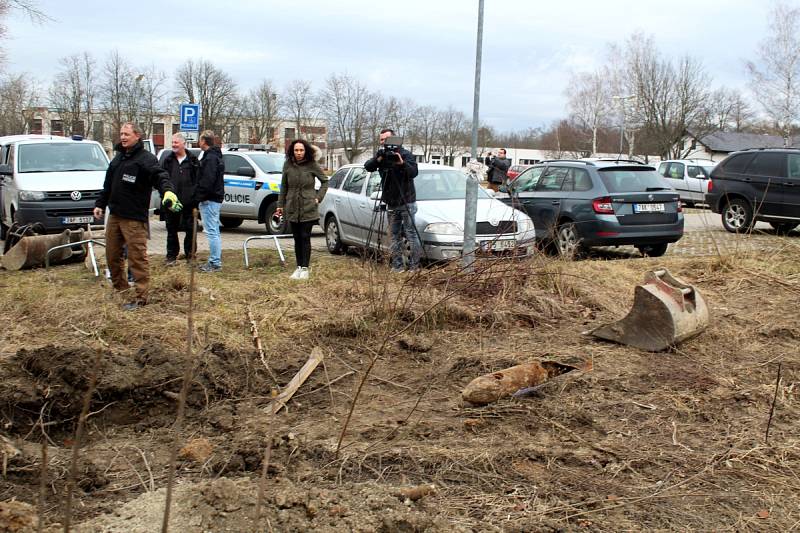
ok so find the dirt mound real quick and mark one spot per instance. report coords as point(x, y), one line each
point(53, 380)
point(230, 505)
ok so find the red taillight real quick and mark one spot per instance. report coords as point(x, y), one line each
point(680, 206)
point(710, 185)
point(603, 206)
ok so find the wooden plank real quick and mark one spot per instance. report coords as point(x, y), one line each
point(297, 381)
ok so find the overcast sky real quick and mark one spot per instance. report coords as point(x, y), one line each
point(421, 49)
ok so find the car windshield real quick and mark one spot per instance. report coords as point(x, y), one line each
point(445, 184)
point(631, 180)
point(269, 163)
point(61, 157)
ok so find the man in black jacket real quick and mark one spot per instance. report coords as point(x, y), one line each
point(130, 178)
point(208, 196)
point(183, 168)
point(398, 168)
point(498, 169)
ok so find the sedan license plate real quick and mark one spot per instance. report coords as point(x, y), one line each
point(77, 220)
point(499, 245)
point(648, 208)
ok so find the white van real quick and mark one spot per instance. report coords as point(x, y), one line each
point(51, 180)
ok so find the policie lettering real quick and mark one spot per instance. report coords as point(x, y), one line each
point(237, 198)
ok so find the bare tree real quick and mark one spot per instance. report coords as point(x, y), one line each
point(262, 106)
point(28, 7)
point(424, 129)
point(89, 83)
point(200, 82)
point(17, 97)
point(669, 98)
point(67, 95)
point(346, 105)
point(453, 133)
point(114, 92)
point(302, 105)
point(775, 76)
point(150, 88)
point(589, 100)
point(727, 110)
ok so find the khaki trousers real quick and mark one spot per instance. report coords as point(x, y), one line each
point(133, 233)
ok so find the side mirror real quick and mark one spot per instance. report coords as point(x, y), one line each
point(375, 195)
point(6, 170)
point(250, 172)
point(504, 188)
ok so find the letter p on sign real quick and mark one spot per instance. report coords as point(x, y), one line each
point(190, 114)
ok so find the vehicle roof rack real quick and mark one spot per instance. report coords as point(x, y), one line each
point(584, 161)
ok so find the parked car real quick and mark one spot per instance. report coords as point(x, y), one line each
point(689, 177)
point(515, 171)
point(583, 203)
point(352, 215)
point(753, 185)
point(50, 180)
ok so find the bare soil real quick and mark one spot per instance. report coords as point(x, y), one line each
point(636, 440)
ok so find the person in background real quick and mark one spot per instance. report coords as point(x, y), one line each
point(183, 168)
point(298, 199)
point(208, 196)
point(498, 169)
point(398, 168)
point(130, 178)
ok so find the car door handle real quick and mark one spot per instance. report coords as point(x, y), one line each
point(788, 184)
point(556, 202)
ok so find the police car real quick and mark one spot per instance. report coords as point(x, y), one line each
point(252, 186)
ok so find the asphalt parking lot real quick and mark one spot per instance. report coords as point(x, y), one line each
point(703, 235)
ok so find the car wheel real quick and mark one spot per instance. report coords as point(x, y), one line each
point(783, 228)
point(275, 225)
point(332, 238)
point(230, 223)
point(653, 250)
point(567, 241)
point(737, 216)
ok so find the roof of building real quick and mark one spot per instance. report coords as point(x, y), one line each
point(732, 141)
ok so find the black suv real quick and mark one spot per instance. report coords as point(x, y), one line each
point(582, 203)
point(754, 185)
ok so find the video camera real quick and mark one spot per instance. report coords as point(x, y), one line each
point(390, 151)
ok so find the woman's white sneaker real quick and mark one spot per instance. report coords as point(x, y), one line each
point(297, 274)
point(303, 273)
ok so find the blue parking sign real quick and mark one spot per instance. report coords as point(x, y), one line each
point(190, 117)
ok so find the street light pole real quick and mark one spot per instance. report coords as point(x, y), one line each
point(471, 196)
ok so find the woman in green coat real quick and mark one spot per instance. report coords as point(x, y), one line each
point(299, 199)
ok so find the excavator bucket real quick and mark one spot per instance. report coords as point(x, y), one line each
point(665, 312)
point(30, 250)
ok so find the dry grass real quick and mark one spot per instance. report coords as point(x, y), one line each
point(643, 441)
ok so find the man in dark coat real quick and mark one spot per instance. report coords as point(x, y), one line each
point(130, 178)
point(498, 169)
point(398, 168)
point(208, 196)
point(183, 168)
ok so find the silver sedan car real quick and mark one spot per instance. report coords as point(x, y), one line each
point(352, 215)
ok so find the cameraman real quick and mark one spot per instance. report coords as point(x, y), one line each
point(398, 168)
point(498, 169)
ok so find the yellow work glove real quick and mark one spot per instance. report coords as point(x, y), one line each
point(171, 202)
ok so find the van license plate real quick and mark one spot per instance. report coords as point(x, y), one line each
point(648, 208)
point(77, 220)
